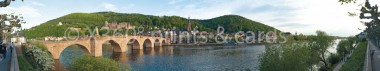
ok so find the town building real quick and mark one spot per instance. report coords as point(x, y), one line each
point(18, 38)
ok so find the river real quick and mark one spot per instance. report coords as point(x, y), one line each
point(177, 58)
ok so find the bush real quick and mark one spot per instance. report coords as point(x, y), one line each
point(345, 46)
point(24, 64)
point(295, 57)
point(333, 59)
point(39, 45)
point(89, 63)
point(29, 59)
point(42, 58)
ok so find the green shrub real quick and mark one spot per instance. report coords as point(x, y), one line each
point(89, 63)
point(24, 65)
point(39, 45)
point(333, 59)
point(356, 62)
point(43, 59)
point(295, 57)
point(29, 59)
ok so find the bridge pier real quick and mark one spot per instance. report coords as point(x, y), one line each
point(97, 50)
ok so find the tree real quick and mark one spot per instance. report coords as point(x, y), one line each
point(287, 57)
point(90, 63)
point(320, 43)
point(6, 3)
point(333, 59)
point(298, 56)
point(372, 29)
point(9, 22)
point(347, 1)
point(342, 49)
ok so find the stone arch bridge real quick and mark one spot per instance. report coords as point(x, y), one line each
point(93, 46)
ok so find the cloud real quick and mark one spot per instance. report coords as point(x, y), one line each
point(202, 9)
point(109, 6)
point(32, 15)
point(38, 4)
point(303, 16)
point(175, 1)
point(326, 15)
point(293, 25)
point(26, 11)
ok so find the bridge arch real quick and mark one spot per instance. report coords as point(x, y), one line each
point(164, 42)
point(134, 44)
point(84, 48)
point(148, 43)
point(157, 43)
point(115, 45)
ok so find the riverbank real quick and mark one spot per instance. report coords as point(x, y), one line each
point(24, 64)
point(338, 66)
point(356, 61)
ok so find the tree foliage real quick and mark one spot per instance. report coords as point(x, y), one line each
point(89, 63)
point(289, 57)
point(232, 23)
point(76, 20)
point(346, 45)
point(8, 23)
point(298, 56)
point(343, 48)
point(6, 3)
point(347, 1)
point(320, 43)
point(333, 59)
point(235, 23)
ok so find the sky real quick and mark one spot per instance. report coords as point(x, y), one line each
point(301, 16)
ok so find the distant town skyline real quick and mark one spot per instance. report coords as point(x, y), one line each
point(301, 16)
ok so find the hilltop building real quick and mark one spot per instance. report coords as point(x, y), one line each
point(115, 25)
point(60, 23)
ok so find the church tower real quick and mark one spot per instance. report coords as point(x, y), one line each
point(189, 26)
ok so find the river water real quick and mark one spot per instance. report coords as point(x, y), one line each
point(177, 58)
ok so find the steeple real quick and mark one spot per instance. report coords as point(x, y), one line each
point(189, 26)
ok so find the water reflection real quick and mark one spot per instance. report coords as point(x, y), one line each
point(58, 66)
point(204, 58)
point(67, 56)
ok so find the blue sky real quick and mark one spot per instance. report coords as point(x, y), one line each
point(302, 16)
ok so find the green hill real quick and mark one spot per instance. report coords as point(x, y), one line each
point(231, 23)
point(235, 23)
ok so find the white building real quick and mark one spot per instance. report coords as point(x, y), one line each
point(18, 38)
